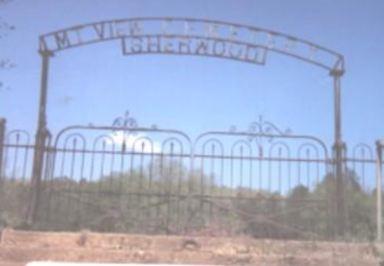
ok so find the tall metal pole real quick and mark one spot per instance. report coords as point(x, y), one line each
point(339, 149)
point(41, 135)
point(379, 211)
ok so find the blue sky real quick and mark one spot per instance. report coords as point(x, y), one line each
point(95, 84)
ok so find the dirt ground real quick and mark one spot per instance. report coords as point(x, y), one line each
point(19, 247)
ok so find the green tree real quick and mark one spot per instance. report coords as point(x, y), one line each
point(358, 205)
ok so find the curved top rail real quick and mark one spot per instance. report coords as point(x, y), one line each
point(265, 135)
point(191, 36)
point(113, 128)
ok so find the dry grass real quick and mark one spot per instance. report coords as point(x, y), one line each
point(18, 247)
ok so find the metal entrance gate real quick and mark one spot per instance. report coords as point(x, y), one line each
point(147, 180)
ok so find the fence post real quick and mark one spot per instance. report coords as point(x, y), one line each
point(339, 158)
point(41, 136)
point(379, 211)
point(2, 147)
point(37, 173)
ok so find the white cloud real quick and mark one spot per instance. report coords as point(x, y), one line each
point(137, 142)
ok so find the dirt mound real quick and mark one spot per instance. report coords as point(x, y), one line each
point(19, 247)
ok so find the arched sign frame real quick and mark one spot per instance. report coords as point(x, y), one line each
point(193, 37)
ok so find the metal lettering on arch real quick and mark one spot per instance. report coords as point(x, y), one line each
point(187, 36)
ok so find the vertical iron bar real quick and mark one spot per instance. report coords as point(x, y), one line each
point(179, 192)
point(202, 184)
point(169, 184)
point(139, 191)
point(99, 179)
point(363, 173)
point(161, 189)
point(2, 149)
point(191, 187)
point(15, 157)
point(379, 214)
point(25, 162)
point(289, 176)
point(240, 186)
point(121, 174)
point(261, 158)
point(82, 186)
point(122, 186)
point(279, 170)
point(269, 188)
point(212, 182)
point(72, 192)
point(151, 198)
point(111, 174)
point(307, 154)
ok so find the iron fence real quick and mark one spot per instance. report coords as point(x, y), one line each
point(148, 180)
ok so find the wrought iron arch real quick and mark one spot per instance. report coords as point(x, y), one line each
point(188, 36)
point(191, 36)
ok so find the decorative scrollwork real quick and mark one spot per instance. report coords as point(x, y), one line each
point(263, 127)
point(122, 126)
point(125, 121)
